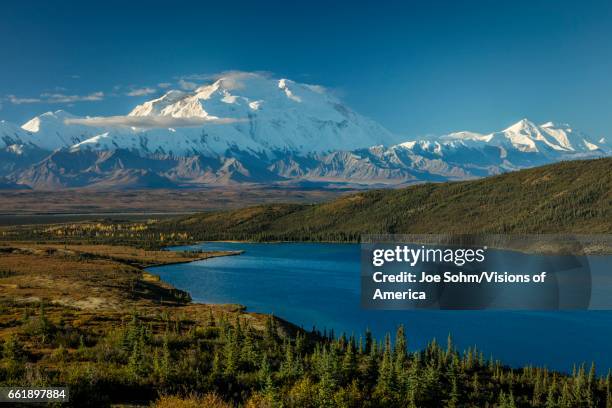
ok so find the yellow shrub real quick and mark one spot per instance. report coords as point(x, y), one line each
point(210, 400)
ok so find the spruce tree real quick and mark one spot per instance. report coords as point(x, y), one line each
point(551, 397)
point(551, 401)
point(368, 341)
point(449, 346)
point(566, 399)
point(265, 371)
point(591, 387)
point(475, 387)
point(386, 384)
point(453, 399)
point(165, 359)
point(609, 390)
point(248, 354)
point(349, 363)
point(370, 368)
point(289, 365)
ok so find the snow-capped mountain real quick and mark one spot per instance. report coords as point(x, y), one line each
point(50, 131)
point(248, 112)
point(526, 136)
point(11, 135)
point(248, 127)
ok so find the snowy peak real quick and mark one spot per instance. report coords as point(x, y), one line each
point(261, 114)
point(237, 93)
point(522, 144)
point(250, 112)
point(522, 126)
point(49, 119)
point(547, 138)
point(572, 139)
point(242, 94)
point(11, 134)
point(522, 135)
point(49, 131)
point(158, 105)
point(525, 136)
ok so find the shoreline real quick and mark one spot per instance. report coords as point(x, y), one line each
point(215, 255)
point(589, 248)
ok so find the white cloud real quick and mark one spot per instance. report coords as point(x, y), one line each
point(141, 91)
point(164, 85)
point(229, 73)
point(316, 88)
point(56, 98)
point(149, 122)
point(235, 79)
point(187, 85)
point(198, 77)
point(231, 79)
point(62, 98)
point(18, 101)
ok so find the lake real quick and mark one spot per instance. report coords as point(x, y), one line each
point(319, 285)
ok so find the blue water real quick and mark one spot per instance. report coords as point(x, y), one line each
point(318, 285)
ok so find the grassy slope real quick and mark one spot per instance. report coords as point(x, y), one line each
point(90, 296)
point(90, 277)
point(565, 197)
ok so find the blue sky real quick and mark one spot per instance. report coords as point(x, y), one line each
point(416, 67)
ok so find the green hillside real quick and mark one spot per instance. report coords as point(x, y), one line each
point(565, 197)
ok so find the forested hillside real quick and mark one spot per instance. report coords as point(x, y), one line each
point(566, 197)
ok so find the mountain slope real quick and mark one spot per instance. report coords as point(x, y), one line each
point(526, 136)
point(252, 128)
point(11, 134)
point(257, 113)
point(565, 197)
point(51, 132)
point(458, 156)
point(9, 185)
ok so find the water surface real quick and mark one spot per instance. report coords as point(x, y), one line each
point(318, 285)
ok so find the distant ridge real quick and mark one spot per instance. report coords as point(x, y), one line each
point(567, 197)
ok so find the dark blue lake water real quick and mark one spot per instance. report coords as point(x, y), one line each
point(318, 285)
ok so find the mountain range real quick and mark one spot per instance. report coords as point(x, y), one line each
point(251, 128)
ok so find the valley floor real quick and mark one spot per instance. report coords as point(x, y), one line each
point(87, 201)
